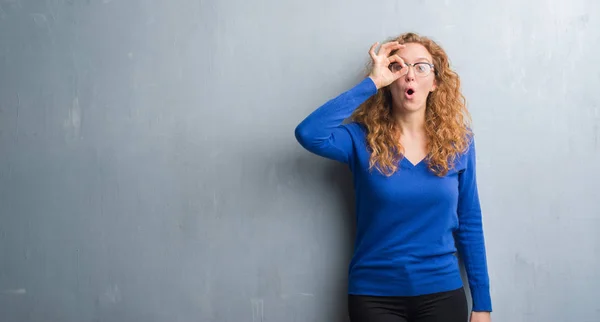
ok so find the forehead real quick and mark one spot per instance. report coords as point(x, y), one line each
point(414, 52)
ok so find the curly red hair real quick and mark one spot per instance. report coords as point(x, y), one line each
point(446, 118)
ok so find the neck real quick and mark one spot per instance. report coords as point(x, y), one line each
point(411, 123)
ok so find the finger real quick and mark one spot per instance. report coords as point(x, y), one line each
point(387, 48)
point(397, 59)
point(372, 50)
point(396, 49)
point(397, 66)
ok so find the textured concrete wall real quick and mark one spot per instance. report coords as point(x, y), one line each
point(149, 171)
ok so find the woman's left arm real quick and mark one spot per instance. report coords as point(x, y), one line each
point(469, 236)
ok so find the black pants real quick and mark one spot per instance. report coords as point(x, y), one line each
point(448, 306)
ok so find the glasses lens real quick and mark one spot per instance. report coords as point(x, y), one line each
point(422, 69)
point(395, 67)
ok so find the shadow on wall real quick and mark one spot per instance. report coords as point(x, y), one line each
point(463, 274)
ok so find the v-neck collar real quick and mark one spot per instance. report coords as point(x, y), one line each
point(411, 165)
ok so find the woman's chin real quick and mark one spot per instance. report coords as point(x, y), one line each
point(410, 106)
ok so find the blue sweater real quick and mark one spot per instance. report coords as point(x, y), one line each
point(410, 225)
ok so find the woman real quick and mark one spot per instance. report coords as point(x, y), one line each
point(412, 155)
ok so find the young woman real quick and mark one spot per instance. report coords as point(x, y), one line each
point(412, 155)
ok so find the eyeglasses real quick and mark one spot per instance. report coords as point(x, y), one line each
point(422, 69)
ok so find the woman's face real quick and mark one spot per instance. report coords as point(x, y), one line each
point(410, 91)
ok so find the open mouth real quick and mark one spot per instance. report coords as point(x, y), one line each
point(409, 93)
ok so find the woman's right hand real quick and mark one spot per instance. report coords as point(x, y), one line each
point(380, 73)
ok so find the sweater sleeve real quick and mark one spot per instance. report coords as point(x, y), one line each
point(470, 237)
point(322, 132)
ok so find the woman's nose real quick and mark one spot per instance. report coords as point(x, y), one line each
point(410, 74)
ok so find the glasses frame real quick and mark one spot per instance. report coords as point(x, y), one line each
point(393, 65)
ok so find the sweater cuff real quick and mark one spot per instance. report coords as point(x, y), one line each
point(482, 301)
point(369, 85)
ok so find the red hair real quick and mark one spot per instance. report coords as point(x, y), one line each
point(446, 118)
